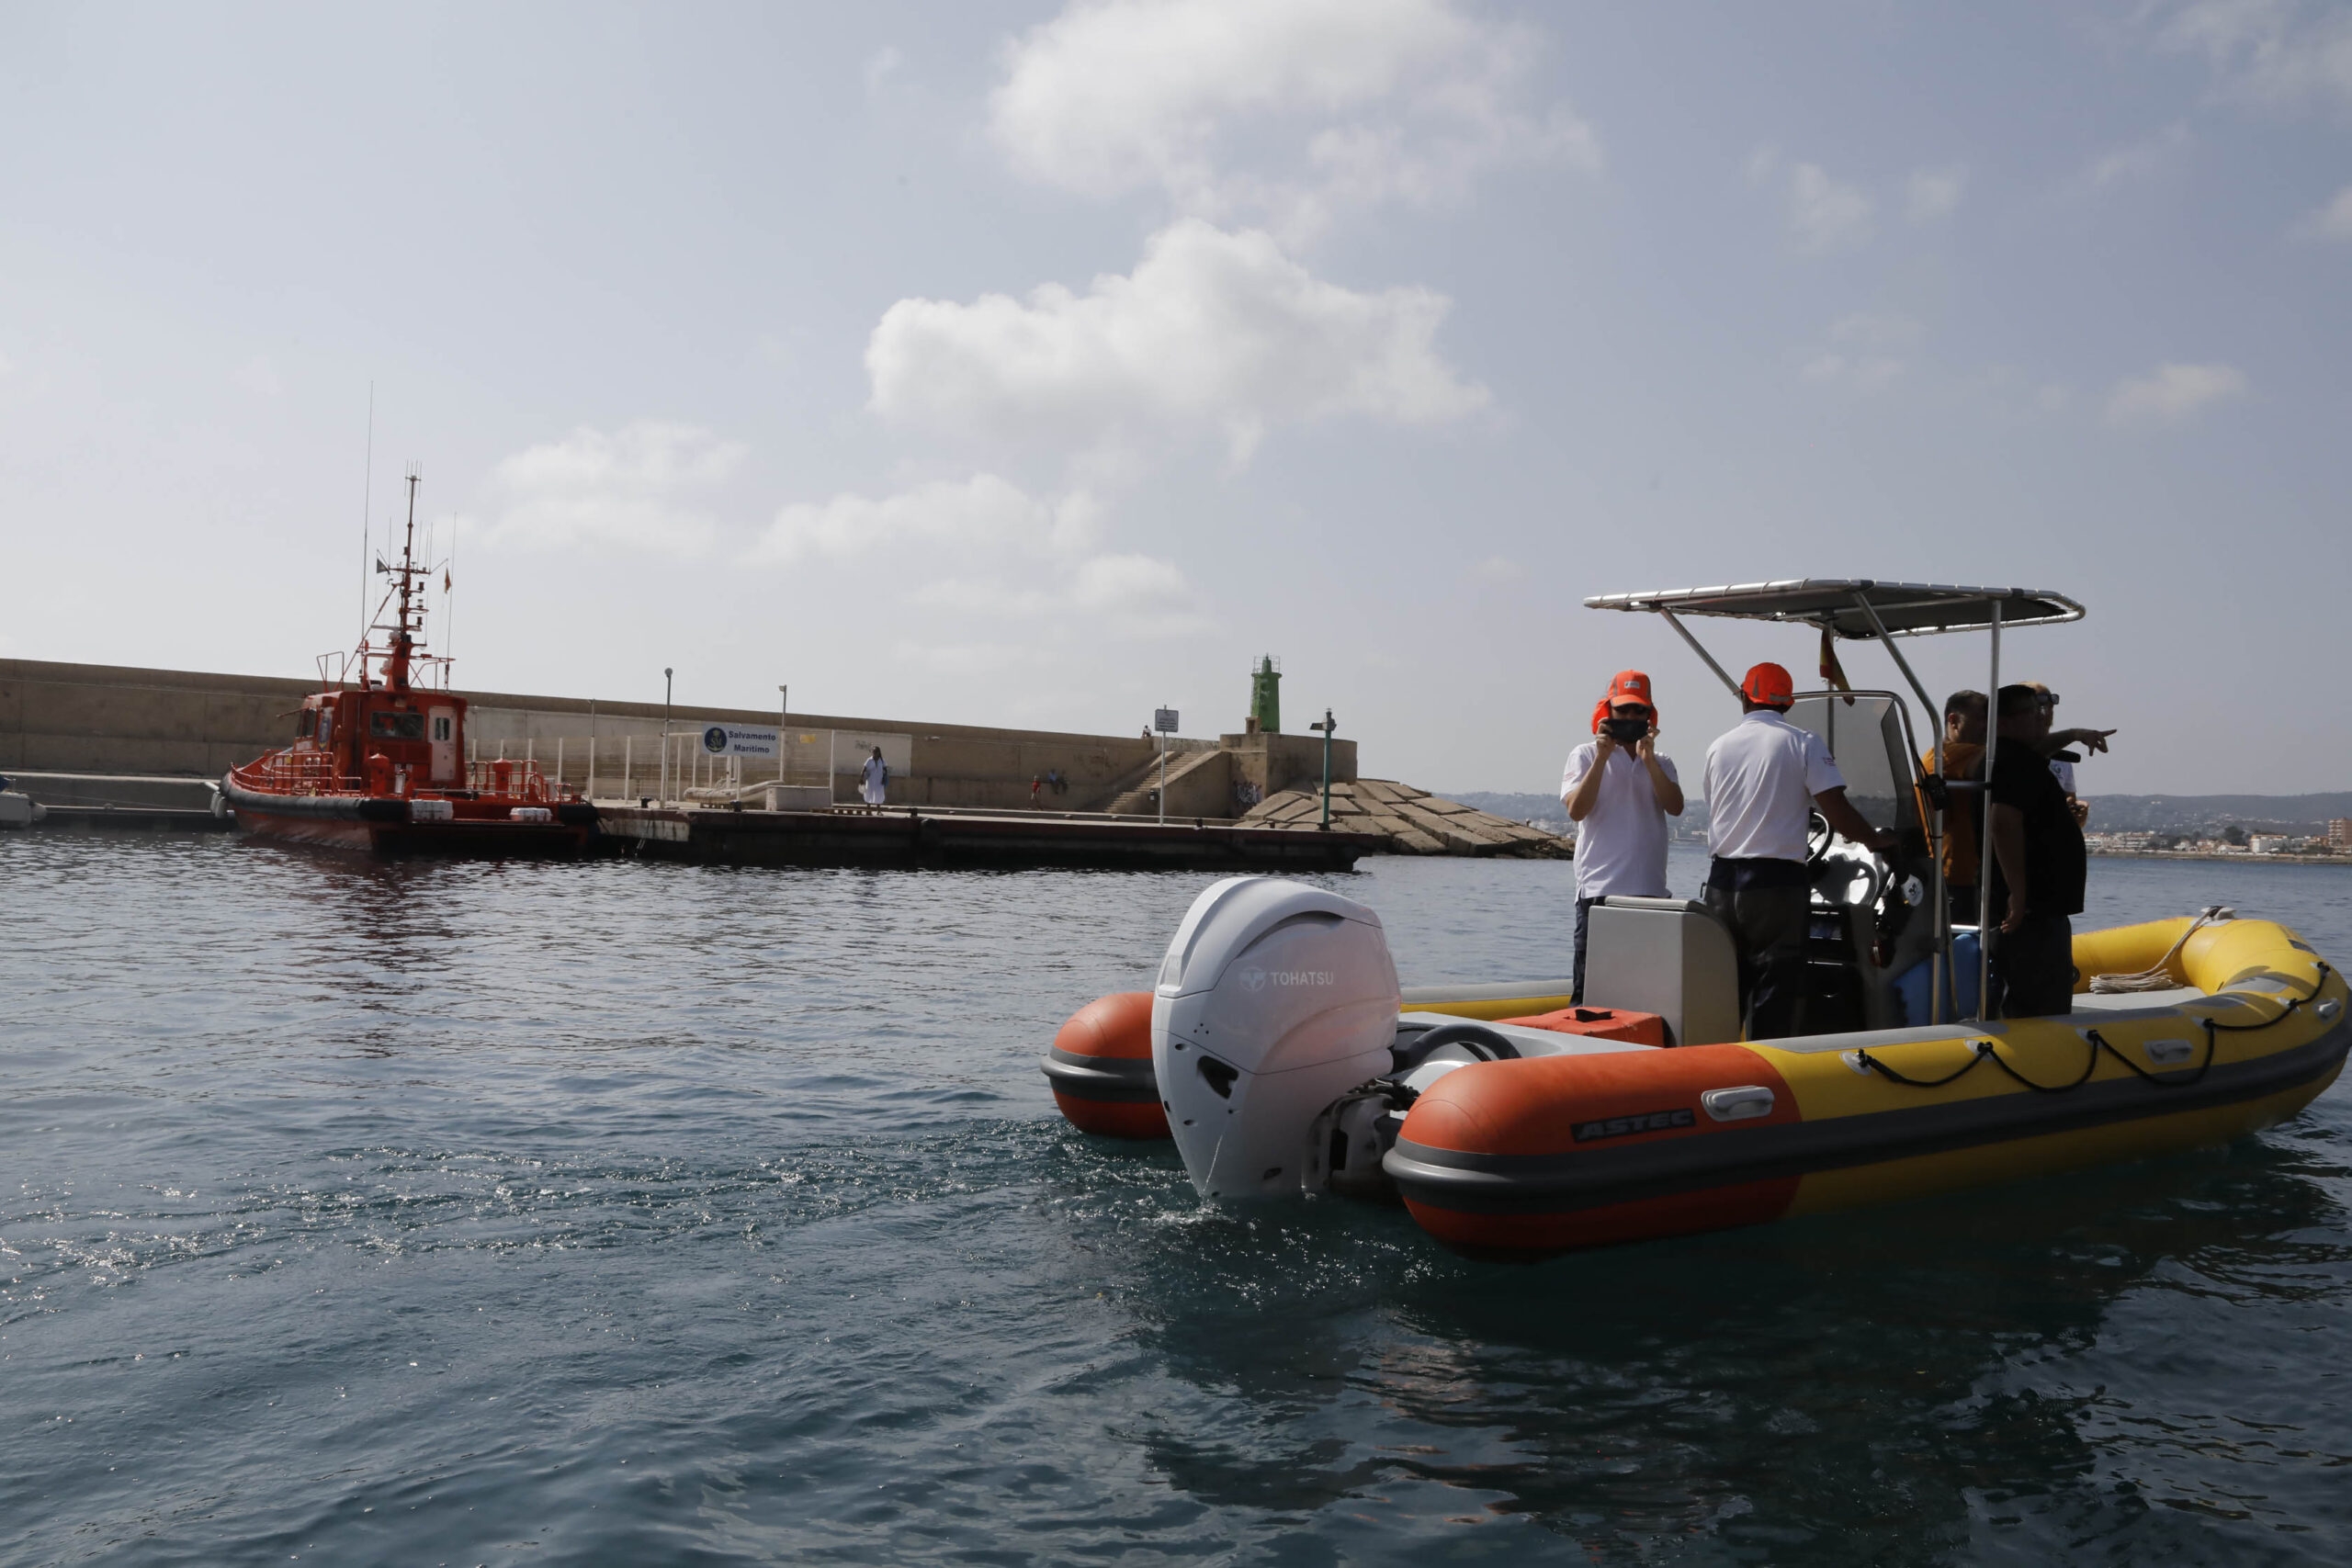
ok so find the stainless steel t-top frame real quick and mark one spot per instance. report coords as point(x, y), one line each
point(1860, 610)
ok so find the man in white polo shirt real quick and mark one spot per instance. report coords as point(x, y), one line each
point(1765, 777)
point(1619, 793)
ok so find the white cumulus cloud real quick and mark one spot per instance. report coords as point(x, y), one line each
point(1212, 330)
point(989, 553)
point(2171, 393)
point(2141, 159)
point(1822, 213)
point(1825, 214)
point(1130, 585)
point(984, 515)
point(1931, 196)
point(1343, 102)
point(645, 486)
point(2279, 51)
point(2333, 218)
point(1866, 351)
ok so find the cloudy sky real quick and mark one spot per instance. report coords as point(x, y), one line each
point(1036, 365)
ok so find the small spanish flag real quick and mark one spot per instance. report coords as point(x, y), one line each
point(1831, 671)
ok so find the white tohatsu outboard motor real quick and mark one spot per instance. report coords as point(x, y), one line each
point(1274, 999)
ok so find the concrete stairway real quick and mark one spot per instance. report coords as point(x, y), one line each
point(1142, 799)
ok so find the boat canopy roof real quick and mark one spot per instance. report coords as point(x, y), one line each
point(1904, 609)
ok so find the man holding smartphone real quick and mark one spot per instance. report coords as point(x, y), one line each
point(1619, 793)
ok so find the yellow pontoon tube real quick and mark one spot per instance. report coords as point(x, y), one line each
point(1544, 1154)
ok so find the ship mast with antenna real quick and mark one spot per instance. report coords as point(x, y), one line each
point(405, 647)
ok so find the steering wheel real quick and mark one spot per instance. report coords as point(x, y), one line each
point(1819, 838)
point(1482, 1043)
point(1852, 872)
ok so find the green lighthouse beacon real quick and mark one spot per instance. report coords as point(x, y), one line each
point(1265, 696)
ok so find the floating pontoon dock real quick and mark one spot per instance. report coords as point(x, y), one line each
point(931, 836)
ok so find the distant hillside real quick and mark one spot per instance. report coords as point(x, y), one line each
point(1548, 808)
point(1518, 808)
point(2110, 812)
point(2287, 813)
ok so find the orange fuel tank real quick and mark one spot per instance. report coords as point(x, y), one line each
point(1600, 1023)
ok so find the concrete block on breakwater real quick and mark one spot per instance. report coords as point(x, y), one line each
point(1412, 820)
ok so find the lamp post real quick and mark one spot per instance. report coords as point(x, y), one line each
point(782, 707)
point(1327, 727)
point(1165, 721)
point(666, 673)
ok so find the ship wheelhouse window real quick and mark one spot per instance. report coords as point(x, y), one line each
point(307, 725)
point(442, 727)
point(396, 726)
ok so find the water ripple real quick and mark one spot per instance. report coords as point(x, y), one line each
point(614, 1212)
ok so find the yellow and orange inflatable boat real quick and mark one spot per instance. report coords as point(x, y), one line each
point(1279, 1051)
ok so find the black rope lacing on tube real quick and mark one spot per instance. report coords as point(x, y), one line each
point(2097, 1042)
point(2318, 982)
point(1869, 1062)
point(1984, 1052)
point(2211, 1044)
point(2090, 1066)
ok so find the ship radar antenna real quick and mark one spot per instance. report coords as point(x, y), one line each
point(404, 625)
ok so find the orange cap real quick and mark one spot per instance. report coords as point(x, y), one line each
point(1629, 686)
point(1768, 685)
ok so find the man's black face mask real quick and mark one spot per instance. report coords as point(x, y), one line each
point(1625, 731)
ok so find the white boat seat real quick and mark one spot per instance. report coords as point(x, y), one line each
point(1671, 956)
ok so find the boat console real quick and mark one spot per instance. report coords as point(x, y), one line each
point(1669, 956)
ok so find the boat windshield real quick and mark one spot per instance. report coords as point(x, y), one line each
point(1869, 736)
point(397, 725)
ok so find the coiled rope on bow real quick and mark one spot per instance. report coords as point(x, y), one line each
point(2159, 976)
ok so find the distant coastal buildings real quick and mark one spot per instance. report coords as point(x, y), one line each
point(2335, 843)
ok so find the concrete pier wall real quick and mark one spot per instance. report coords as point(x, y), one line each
point(92, 718)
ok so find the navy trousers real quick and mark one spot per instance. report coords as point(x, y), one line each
point(1768, 930)
point(2033, 967)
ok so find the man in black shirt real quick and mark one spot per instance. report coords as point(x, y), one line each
point(2038, 865)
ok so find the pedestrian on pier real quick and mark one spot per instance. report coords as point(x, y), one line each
point(877, 779)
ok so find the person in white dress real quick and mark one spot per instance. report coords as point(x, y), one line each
point(877, 778)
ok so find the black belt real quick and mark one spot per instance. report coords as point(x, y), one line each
point(1731, 876)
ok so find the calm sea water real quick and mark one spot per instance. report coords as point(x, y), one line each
point(624, 1213)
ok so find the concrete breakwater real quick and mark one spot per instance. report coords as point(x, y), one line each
point(1412, 820)
point(108, 719)
point(130, 725)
